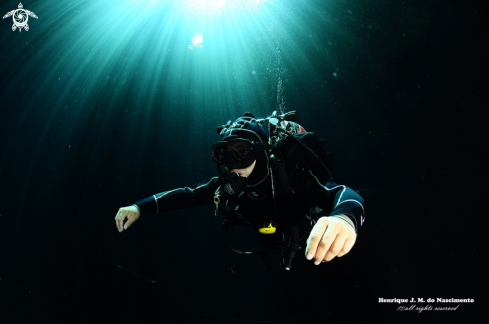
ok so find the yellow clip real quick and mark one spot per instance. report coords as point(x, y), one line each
point(267, 230)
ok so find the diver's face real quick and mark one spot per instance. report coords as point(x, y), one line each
point(242, 150)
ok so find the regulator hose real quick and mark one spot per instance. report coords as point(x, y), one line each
point(307, 148)
point(290, 225)
point(293, 232)
point(282, 178)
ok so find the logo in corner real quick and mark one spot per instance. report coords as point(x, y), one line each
point(20, 17)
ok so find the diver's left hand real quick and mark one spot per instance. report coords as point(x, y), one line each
point(330, 237)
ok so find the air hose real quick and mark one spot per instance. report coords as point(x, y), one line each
point(305, 147)
point(282, 178)
point(293, 232)
point(290, 226)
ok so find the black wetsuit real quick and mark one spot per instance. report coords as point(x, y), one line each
point(259, 207)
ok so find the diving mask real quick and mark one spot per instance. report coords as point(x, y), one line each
point(238, 153)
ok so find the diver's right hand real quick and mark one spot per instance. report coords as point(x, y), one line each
point(130, 212)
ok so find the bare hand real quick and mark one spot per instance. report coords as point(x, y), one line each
point(131, 213)
point(330, 237)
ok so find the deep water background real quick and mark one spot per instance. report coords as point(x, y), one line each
point(103, 104)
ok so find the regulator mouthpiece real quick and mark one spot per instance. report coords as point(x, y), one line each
point(233, 185)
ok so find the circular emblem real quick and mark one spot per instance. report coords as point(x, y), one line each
point(20, 18)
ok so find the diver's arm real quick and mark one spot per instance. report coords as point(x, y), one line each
point(334, 200)
point(347, 204)
point(334, 234)
point(179, 198)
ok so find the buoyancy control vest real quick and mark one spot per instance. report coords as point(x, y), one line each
point(303, 150)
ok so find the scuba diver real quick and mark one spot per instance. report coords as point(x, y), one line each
point(275, 183)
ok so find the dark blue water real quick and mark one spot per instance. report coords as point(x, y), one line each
point(104, 103)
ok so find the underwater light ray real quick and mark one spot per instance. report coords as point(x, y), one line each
point(211, 7)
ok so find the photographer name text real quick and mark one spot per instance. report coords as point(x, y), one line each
point(428, 307)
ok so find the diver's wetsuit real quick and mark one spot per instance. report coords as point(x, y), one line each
point(258, 207)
